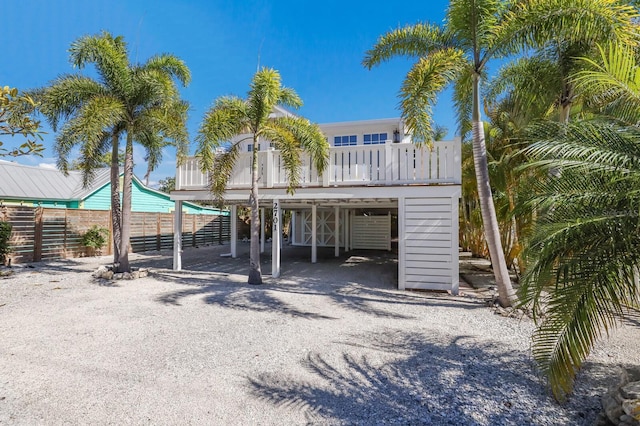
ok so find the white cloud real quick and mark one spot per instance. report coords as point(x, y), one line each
point(51, 166)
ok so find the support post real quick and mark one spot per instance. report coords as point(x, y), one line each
point(275, 239)
point(455, 254)
point(234, 230)
point(292, 228)
point(314, 233)
point(347, 234)
point(177, 237)
point(402, 250)
point(336, 230)
point(262, 236)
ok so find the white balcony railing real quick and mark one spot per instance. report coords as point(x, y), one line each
point(388, 164)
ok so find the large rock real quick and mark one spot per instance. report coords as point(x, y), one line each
point(621, 406)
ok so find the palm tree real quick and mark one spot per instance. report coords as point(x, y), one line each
point(476, 31)
point(140, 101)
point(584, 256)
point(455, 53)
point(231, 117)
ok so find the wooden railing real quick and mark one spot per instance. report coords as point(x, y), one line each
point(384, 164)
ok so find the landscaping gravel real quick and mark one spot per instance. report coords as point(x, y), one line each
point(327, 343)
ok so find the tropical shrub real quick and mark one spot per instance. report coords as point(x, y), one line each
point(95, 238)
point(5, 235)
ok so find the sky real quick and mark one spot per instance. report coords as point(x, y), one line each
point(317, 46)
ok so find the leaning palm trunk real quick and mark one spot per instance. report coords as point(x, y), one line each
point(116, 212)
point(506, 294)
point(126, 205)
point(255, 272)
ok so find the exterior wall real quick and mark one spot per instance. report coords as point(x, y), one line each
point(143, 200)
point(428, 243)
point(352, 128)
point(99, 200)
point(371, 232)
point(360, 128)
point(40, 203)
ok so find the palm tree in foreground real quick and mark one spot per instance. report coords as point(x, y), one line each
point(455, 53)
point(232, 117)
point(140, 101)
point(585, 253)
point(476, 31)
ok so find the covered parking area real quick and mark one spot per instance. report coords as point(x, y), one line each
point(427, 226)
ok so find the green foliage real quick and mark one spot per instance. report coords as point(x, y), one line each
point(167, 184)
point(139, 101)
point(232, 116)
point(15, 119)
point(584, 254)
point(5, 236)
point(95, 237)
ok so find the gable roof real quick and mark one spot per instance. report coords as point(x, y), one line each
point(28, 182)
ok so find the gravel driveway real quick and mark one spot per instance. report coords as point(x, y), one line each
point(328, 343)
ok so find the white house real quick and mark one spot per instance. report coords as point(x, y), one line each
point(374, 172)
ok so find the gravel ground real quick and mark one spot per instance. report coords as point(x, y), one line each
point(329, 343)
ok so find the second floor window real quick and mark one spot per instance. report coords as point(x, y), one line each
point(250, 147)
point(375, 138)
point(345, 140)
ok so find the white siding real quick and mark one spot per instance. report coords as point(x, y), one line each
point(429, 243)
point(371, 232)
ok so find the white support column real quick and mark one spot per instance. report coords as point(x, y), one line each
point(276, 232)
point(292, 228)
point(401, 244)
point(314, 233)
point(177, 237)
point(262, 236)
point(234, 230)
point(347, 226)
point(336, 230)
point(455, 254)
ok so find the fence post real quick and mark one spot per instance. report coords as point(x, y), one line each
point(110, 227)
point(158, 230)
point(220, 217)
point(64, 245)
point(37, 235)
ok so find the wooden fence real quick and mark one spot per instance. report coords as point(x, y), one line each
point(47, 234)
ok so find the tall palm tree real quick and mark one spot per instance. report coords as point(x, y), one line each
point(140, 101)
point(474, 32)
point(584, 256)
point(231, 117)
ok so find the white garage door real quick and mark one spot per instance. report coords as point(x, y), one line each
point(371, 232)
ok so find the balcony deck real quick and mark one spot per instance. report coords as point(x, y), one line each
point(386, 164)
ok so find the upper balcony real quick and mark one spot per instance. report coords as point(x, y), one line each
point(362, 165)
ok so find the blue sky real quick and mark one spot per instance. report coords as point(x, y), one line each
point(317, 47)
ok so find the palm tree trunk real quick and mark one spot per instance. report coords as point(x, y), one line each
point(126, 205)
point(116, 212)
point(255, 272)
point(506, 295)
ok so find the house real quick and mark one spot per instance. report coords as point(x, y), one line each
point(43, 187)
point(375, 173)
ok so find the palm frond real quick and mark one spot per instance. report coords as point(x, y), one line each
point(532, 24)
point(65, 96)
point(227, 118)
point(410, 41)
point(420, 89)
point(612, 83)
point(264, 93)
point(585, 252)
point(170, 65)
point(110, 57)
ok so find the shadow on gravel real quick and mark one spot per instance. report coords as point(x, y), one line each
point(221, 290)
point(436, 380)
